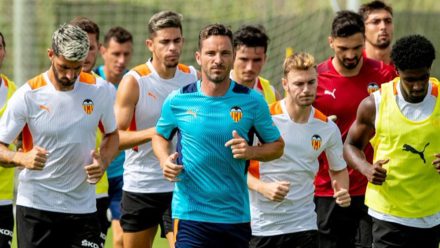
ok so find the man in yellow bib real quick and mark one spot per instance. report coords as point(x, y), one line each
point(7, 88)
point(403, 119)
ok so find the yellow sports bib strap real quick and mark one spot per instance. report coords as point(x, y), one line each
point(7, 174)
point(268, 93)
point(412, 186)
point(102, 185)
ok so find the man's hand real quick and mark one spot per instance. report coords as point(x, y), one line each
point(436, 162)
point(239, 146)
point(170, 169)
point(375, 173)
point(341, 195)
point(95, 170)
point(35, 159)
point(274, 191)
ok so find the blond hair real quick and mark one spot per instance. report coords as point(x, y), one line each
point(298, 61)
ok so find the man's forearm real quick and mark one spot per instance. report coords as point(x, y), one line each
point(268, 151)
point(130, 139)
point(109, 147)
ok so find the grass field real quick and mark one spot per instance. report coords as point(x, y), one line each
point(158, 241)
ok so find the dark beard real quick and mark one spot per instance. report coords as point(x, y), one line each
point(62, 81)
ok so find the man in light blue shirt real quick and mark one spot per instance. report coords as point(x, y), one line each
point(214, 119)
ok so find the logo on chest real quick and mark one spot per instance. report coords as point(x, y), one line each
point(236, 113)
point(409, 148)
point(372, 87)
point(88, 106)
point(330, 93)
point(316, 142)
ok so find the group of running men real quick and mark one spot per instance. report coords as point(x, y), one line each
point(206, 146)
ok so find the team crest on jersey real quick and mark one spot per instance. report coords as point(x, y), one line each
point(316, 142)
point(372, 87)
point(236, 113)
point(88, 106)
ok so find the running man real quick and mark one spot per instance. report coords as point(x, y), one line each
point(290, 220)
point(402, 120)
point(344, 81)
point(59, 112)
point(214, 119)
point(146, 194)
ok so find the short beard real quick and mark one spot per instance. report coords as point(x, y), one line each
point(65, 83)
point(383, 44)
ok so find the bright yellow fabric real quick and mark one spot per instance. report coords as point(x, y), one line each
point(7, 174)
point(268, 93)
point(412, 186)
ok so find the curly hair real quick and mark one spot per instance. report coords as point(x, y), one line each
point(413, 52)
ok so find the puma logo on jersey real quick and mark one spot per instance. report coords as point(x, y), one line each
point(331, 93)
point(44, 107)
point(150, 94)
point(411, 149)
point(194, 114)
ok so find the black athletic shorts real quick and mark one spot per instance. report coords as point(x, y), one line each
point(388, 234)
point(39, 228)
point(6, 225)
point(140, 211)
point(340, 227)
point(102, 205)
point(305, 239)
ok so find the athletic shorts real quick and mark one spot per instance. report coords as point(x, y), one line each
point(389, 234)
point(102, 206)
point(140, 211)
point(115, 196)
point(39, 228)
point(343, 227)
point(166, 225)
point(305, 239)
point(6, 225)
point(196, 234)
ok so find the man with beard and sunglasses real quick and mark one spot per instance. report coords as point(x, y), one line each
point(58, 113)
point(379, 29)
point(344, 80)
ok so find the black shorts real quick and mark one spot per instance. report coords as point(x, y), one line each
point(6, 225)
point(305, 239)
point(140, 211)
point(387, 234)
point(196, 234)
point(166, 225)
point(102, 206)
point(343, 227)
point(39, 228)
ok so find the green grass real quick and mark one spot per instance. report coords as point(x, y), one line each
point(158, 241)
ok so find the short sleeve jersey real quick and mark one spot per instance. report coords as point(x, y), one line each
point(339, 95)
point(142, 172)
point(213, 186)
point(304, 142)
point(64, 123)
